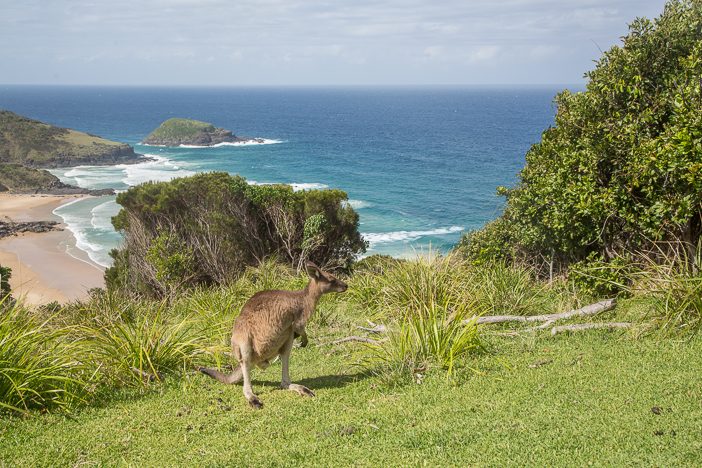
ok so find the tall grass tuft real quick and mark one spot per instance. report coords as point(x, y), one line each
point(508, 289)
point(38, 365)
point(431, 335)
point(427, 299)
point(424, 281)
point(136, 350)
point(675, 287)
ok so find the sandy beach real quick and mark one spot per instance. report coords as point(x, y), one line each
point(42, 270)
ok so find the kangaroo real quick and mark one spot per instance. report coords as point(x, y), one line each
point(268, 324)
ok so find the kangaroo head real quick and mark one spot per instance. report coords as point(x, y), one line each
point(325, 281)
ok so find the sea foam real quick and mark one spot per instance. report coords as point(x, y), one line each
point(359, 204)
point(91, 227)
point(263, 141)
point(375, 238)
point(296, 186)
point(160, 169)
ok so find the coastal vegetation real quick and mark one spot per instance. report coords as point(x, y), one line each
point(124, 367)
point(178, 131)
point(206, 229)
point(417, 362)
point(618, 177)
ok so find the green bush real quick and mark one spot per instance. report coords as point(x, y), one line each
point(208, 228)
point(5, 275)
point(146, 347)
point(620, 171)
point(596, 278)
point(40, 366)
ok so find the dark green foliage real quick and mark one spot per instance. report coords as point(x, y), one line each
point(596, 277)
point(206, 229)
point(621, 169)
point(489, 244)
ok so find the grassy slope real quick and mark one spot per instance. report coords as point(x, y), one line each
point(591, 404)
point(19, 178)
point(27, 141)
point(178, 128)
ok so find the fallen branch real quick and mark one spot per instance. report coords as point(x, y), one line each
point(360, 339)
point(588, 326)
point(376, 328)
point(586, 311)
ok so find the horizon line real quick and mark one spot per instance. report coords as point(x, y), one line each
point(342, 85)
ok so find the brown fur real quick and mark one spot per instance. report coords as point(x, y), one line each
point(268, 324)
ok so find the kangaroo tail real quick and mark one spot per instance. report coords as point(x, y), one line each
point(234, 377)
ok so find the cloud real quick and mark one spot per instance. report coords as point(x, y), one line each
point(482, 53)
point(382, 42)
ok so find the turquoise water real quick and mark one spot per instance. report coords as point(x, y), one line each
point(420, 165)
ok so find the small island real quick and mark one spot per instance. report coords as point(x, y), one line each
point(187, 132)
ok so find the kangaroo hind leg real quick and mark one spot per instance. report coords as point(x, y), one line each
point(246, 366)
point(285, 383)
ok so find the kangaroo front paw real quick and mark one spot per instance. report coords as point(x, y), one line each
point(303, 342)
point(255, 403)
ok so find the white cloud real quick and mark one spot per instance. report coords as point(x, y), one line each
point(483, 53)
point(384, 42)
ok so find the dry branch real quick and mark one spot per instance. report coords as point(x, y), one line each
point(375, 328)
point(586, 311)
point(360, 339)
point(588, 326)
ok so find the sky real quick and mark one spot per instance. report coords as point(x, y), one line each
point(312, 42)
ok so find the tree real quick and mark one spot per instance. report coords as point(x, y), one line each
point(206, 229)
point(621, 169)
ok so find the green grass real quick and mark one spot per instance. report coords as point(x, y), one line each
point(465, 395)
point(588, 402)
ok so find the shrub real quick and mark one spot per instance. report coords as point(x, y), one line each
point(620, 169)
point(5, 275)
point(596, 278)
point(39, 366)
point(146, 347)
point(431, 334)
point(206, 229)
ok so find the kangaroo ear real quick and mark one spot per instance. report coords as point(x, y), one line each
point(312, 270)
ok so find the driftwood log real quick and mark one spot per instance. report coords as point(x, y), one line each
point(375, 328)
point(592, 309)
point(359, 339)
point(548, 319)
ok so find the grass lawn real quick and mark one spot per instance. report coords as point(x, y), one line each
point(595, 398)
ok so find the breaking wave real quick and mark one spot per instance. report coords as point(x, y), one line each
point(375, 238)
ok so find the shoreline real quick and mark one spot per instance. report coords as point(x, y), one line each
point(46, 267)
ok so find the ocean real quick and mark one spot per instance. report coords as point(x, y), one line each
point(420, 165)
